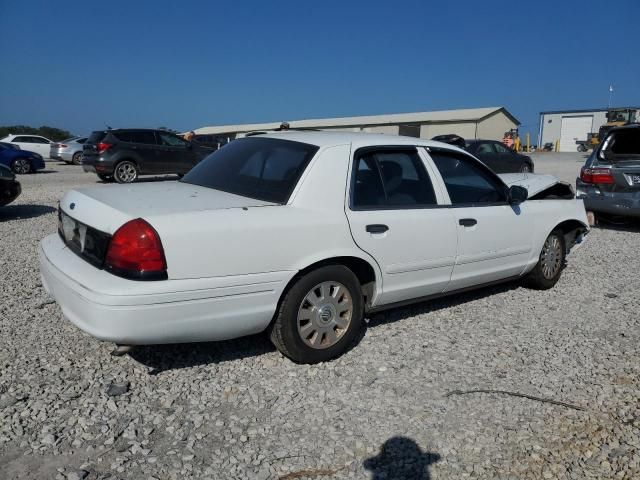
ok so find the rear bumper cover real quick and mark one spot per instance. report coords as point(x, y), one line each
point(9, 191)
point(129, 312)
point(613, 203)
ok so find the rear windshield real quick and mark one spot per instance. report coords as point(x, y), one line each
point(96, 137)
point(626, 142)
point(262, 168)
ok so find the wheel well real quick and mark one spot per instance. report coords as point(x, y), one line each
point(361, 269)
point(573, 231)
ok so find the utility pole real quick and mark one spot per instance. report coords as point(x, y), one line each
point(610, 95)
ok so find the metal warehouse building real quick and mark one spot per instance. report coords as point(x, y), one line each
point(488, 123)
point(570, 125)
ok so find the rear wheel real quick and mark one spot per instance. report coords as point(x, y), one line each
point(21, 165)
point(125, 172)
point(319, 316)
point(547, 271)
point(77, 158)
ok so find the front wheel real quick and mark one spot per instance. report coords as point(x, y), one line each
point(125, 172)
point(547, 271)
point(319, 316)
point(21, 165)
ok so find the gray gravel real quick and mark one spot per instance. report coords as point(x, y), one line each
point(238, 409)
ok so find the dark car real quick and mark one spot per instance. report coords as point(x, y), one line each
point(609, 181)
point(20, 161)
point(498, 157)
point(9, 186)
point(124, 154)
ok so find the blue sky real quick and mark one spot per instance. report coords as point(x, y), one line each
point(79, 64)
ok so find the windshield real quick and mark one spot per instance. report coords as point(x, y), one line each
point(262, 168)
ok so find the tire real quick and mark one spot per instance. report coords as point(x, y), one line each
point(582, 148)
point(550, 264)
point(125, 172)
point(21, 166)
point(310, 334)
point(525, 168)
point(77, 158)
point(105, 178)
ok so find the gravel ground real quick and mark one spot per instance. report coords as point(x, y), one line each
point(238, 409)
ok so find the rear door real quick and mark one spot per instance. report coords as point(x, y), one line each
point(25, 142)
point(41, 145)
point(494, 237)
point(144, 146)
point(174, 153)
point(394, 214)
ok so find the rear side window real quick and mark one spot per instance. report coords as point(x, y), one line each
point(391, 179)
point(22, 140)
point(468, 183)
point(626, 142)
point(262, 168)
point(96, 137)
point(133, 136)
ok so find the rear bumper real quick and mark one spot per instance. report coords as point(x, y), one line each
point(138, 313)
point(37, 163)
point(613, 203)
point(97, 165)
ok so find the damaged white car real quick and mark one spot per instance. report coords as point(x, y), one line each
point(301, 234)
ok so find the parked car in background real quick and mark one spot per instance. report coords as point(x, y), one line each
point(10, 145)
point(124, 154)
point(493, 154)
point(69, 150)
point(20, 161)
point(609, 181)
point(9, 186)
point(30, 143)
point(302, 234)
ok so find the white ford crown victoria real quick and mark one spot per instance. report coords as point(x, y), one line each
point(301, 234)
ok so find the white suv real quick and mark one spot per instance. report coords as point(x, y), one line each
point(31, 143)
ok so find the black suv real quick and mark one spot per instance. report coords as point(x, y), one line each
point(123, 154)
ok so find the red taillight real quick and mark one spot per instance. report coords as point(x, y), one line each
point(596, 175)
point(61, 145)
point(135, 251)
point(103, 147)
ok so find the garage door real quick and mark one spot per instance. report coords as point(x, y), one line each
point(572, 129)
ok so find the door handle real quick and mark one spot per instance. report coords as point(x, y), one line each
point(467, 222)
point(377, 228)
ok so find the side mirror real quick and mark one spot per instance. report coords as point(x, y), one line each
point(517, 195)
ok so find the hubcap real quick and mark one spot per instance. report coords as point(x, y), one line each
point(325, 314)
point(22, 166)
point(126, 172)
point(551, 257)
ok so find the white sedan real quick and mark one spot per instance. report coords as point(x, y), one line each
point(301, 234)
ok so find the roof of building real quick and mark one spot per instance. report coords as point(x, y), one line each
point(586, 110)
point(441, 116)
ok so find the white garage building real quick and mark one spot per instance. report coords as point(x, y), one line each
point(487, 123)
point(567, 126)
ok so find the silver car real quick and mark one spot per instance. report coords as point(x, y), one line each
point(69, 150)
point(609, 182)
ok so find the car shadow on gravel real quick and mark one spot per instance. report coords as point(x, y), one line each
point(428, 306)
point(631, 225)
point(160, 358)
point(21, 212)
point(401, 458)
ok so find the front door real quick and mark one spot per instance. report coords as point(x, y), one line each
point(494, 237)
point(175, 153)
point(394, 216)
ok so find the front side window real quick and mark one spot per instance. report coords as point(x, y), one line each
point(468, 182)
point(134, 136)
point(501, 148)
point(262, 168)
point(484, 148)
point(391, 179)
point(39, 140)
point(171, 140)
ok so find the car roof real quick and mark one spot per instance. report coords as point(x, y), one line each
point(357, 139)
point(625, 127)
